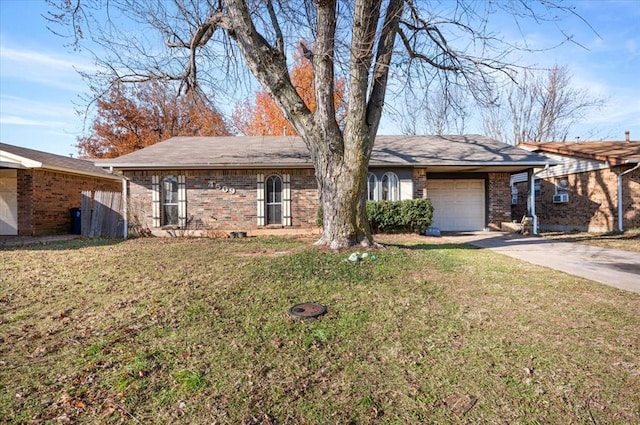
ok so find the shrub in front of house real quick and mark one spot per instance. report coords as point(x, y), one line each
point(413, 215)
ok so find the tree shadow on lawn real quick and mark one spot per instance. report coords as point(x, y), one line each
point(430, 246)
point(447, 241)
point(53, 244)
point(584, 237)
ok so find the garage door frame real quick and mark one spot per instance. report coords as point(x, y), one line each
point(484, 210)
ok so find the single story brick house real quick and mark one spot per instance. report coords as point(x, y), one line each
point(595, 187)
point(37, 190)
point(258, 184)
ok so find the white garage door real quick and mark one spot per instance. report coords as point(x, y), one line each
point(8, 202)
point(458, 205)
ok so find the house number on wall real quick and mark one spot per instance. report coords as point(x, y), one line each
point(212, 184)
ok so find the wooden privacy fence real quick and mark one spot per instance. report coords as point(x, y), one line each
point(101, 214)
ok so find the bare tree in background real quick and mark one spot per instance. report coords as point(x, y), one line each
point(440, 112)
point(206, 45)
point(541, 108)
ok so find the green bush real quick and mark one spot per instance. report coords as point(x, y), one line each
point(414, 215)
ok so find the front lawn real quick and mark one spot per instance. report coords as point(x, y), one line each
point(190, 331)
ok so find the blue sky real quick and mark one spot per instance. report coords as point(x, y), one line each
point(40, 86)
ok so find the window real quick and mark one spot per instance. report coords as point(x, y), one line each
point(372, 187)
point(536, 188)
point(387, 188)
point(390, 187)
point(514, 194)
point(169, 201)
point(169, 196)
point(562, 186)
point(273, 200)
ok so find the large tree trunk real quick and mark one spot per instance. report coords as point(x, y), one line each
point(341, 187)
point(340, 157)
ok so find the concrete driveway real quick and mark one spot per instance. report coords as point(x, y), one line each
point(620, 269)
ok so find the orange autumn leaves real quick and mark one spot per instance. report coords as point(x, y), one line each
point(263, 117)
point(133, 117)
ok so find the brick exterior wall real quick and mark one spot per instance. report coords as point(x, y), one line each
point(212, 209)
point(209, 208)
point(499, 196)
point(519, 210)
point(45, 197)
point(419, 183)
point(25, 203)
point(593, 202)
point(631, 200)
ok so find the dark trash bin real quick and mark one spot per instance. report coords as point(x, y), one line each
point(76, 222)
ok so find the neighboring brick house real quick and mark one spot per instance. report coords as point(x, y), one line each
point(583, 192)
point(255, 184)
point(37, 190)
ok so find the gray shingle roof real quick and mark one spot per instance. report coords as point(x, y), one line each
point(55, 162)
point(392, 151)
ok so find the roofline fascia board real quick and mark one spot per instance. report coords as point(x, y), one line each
point(25, 162)
point(12, 165)
point(131, 167)
point(80, 172)
point(134, 167)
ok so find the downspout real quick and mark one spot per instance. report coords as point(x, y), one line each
point(125, 209)
point(620, 227)
point(532, 198)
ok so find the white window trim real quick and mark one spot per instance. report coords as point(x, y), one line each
point(281, 203)
point(182, 202)
point(391, 177)
point(155, 197)
point(157, 202)
point(370, 177)
point(261, 203)
point(260, 199)
point(394, 189)
point(286, 200)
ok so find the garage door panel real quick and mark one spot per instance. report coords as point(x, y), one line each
point(458, 205)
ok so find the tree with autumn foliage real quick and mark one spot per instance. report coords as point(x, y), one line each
point(380, 46)
point(263, 116)
point(133, 117)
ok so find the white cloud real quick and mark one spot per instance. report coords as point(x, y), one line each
point(15, 120)
point(37, 109)
point(51, 70)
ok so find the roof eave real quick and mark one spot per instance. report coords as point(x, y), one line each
point(164, 166)
point(137, 166)
point(97, 174)
point(21, 160)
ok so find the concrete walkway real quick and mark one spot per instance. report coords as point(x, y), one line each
point(620, 269)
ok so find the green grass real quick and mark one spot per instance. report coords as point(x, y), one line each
point(196, 331)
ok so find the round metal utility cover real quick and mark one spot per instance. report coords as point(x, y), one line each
point(307, 311)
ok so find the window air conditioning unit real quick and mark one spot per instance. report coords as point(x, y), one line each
point(561, 198)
